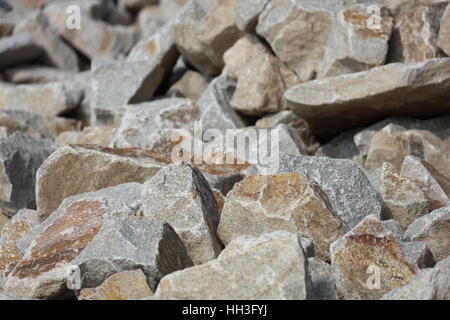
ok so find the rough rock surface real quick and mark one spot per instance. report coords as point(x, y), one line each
point(18, 49)
point(101, 136)
point(322, 278)
point(444, 34)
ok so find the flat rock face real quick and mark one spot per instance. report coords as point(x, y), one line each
point(262, 204)
point(126, 285)
point(434, 229)
point(444, 33)
point(371, 248)
point(20, 158)
point(272, 266)
point(394, 89)
point(53, 245)
point(180, 195)
point(18, 49)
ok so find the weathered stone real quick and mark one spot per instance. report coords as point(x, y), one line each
point(20, 158)
point(191, 85)
point(4, 296)
point(247, 14)
point(130, 243)
point(435, 186)
point(444, 33)
point(50, 247)
point(126, 285)
point(404, 199)
point(4, 219)
point(333, 104)
point(57, 53)
point(261, 204)
point(74, 169)
point(28, 74)
point(434, 229)
point(272, 266)
point(50, 99)
point(322, 279)
point(180, 195)
point(429, 284)
point(203, 33)
point(101, 136)
point(370, 260)
point(18, 49)
point(12, 232)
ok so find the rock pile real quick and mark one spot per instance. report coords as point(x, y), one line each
point(232, 149)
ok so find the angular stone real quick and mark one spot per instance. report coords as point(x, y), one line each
point(322, 279)
point(130, 243)
point(180, 195)
point(57, 52)
point(333, 104)
point(18, 49)
point(262, 204)
point(247, 14)
point(50, 99)
point(435, 186)
point(101, 136)
point(191, 85)
point(12, 232)
point(272, 266)
point(444, 33)
point(434, 229)
point(203, 33)
point(20, 158)
point(429, 284)
point(74, 169)
point(3, 220)
point(404, 199)
point(372, 252)
point(51, 247)
point(125, 285)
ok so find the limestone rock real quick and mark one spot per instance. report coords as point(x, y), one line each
point(272, 266)
point(444, 33)
point(405, 200)
point(191, 85)
point(180, 195)
point(434, 229)
point(333, 104)
point(262, 204)
point(21, 156)
point(18, 49)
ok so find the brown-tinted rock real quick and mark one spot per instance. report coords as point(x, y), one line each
point(191, 85)
point(101, 136)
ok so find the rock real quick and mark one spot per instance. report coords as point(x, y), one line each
point(12, 232)
point(125, 285)
point(50, 99)
point(333, 104)
point(429, 284)
point(90, 135)
point(444, 33)
point(434, 229)
point(322, 279)
point(247, 14)
point(29, 74)
point(3, 220)
point(370, 260)
point(57, 52)
point(262, 204)
point(18, 49)
point(340, 41)
point(34, 124)
point(344, 184)
point(435, 186)
point(136, 5)
point(4, 296)
point(203, 33)
point(180, 195)
point(130, 243)
point(51, 247)
point(405, 200)
point(272, 266)
point(21, 156)
point(191, 85)
point(74, 169)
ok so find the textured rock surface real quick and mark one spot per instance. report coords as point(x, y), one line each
point(18, 49)
point(191, 85)
point(444, 33)
point(247, 14)
point(272, 266)
point(322, 279)
point(90, 135)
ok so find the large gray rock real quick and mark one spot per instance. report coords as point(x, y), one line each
point(334, 104)
point(271, 267)
point(180, 195)
point(18, 49)
point(20, 158)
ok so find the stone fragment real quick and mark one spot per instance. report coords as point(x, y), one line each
point(50, 248)
point(434, 229)
point(435, 186)
point(262, 204)
point(21, 156)
point(101, 136)
point(18, 49)
point(429, 284)
point(191, 85)
point(333, 104)
point(444, 33)
point(29, 74)
point(125, 285)
point(136, 5)
point(180, 195)
point(57, 53)
point(371, 260)
point(322, 279)
point(247, 14)
point(404, 199)
point(271, 267)
point(4, 296)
